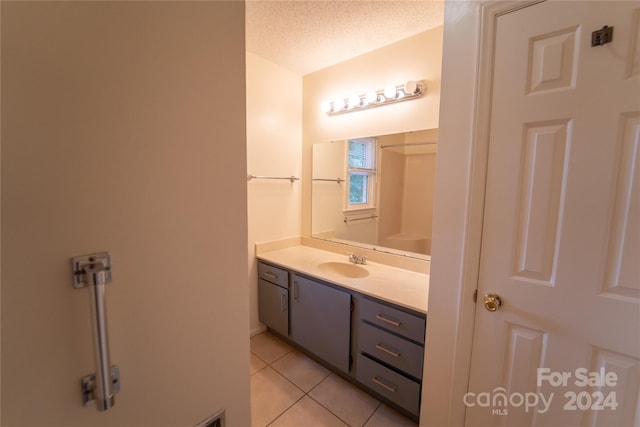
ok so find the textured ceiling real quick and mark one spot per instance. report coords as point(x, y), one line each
point(305, 36)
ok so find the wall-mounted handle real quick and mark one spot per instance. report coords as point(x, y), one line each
point(94, 271)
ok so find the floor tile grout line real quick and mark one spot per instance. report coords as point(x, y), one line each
point(283, 355)
point(330, 411)
point(320, 382)
point(259, 370)
point(315, 400)
point(284, 411)
point(372, 414)
point(270, 363)
point(310, 397)
point(262, 360)
point(283, 376)
point(305, 393)
point(336, 415)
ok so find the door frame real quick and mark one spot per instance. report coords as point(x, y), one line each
point(465, 140)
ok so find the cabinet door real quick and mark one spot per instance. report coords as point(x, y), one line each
point(321, 320)
point(273, 302)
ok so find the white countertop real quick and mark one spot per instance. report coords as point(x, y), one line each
point(395, 285)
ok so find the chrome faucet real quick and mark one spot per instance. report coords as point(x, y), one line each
point(354, 259)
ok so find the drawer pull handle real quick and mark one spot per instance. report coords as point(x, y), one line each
point(389, 321)
point(386, 350)
point(271, 275)
point(383, 385)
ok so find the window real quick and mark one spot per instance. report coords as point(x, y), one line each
point(361, 173)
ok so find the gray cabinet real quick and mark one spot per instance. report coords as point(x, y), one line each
point(273, 298)
point(321, 320)
point(382, 349)
point(390, 347)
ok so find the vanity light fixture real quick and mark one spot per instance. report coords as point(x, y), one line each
point(389, 95)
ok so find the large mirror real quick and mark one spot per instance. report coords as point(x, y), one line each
point(376, 192)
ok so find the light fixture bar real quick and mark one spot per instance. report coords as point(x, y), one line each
point(389, 95)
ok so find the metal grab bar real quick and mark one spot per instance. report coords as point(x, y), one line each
point(104, 386)
point(346, 219)
point(409, 144)
point(94, 271)
point(338, 180)
point(290, 178)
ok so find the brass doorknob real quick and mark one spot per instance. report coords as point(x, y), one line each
point(492, 302)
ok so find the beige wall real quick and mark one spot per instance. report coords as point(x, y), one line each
point(415, 58)
point(274, 143)
point(328, 163)
point(123, 129)
point(407, 176)
point(392, 180)
point(417, 200)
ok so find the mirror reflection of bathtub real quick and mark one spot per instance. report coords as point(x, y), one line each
point(408, 243)
point(400, 221)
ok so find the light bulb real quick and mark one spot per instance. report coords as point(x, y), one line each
point(371, 97)
point(338, 105)
point(326, 107)
point(354, 101)
point(390, 92)
point(410, 87)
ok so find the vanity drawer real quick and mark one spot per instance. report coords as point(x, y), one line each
point(273, 274)
point(400, 390)
point(392, 319)
point(395, 351)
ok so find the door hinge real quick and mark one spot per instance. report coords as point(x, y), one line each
point(475, 296)
point(602, 36)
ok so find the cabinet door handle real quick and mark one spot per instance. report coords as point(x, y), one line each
point(389, 321)
point(392, 389)
point(295, 290)
point(283, 303)
point(386, 350)
point(270, 275)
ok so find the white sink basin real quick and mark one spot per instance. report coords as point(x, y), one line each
point(343, 269)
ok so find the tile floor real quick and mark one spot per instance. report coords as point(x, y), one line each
point(290, 389)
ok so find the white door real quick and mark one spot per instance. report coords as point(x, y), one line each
point(561, 231)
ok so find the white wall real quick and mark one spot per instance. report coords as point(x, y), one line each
point(415, 58)
point(123, 129)
point(450, 312)
point(274, 144)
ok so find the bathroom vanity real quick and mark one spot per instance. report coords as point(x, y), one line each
point(365, 322)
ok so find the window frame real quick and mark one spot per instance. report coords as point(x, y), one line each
point(369, 172)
